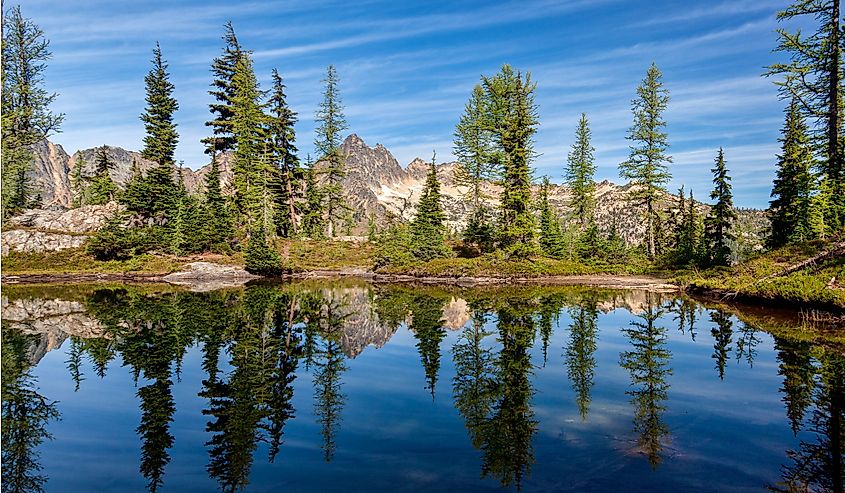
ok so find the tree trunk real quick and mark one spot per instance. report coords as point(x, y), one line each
point(291, 212)
point(834, 152)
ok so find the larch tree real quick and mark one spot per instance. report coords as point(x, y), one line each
point(26, 116)
point(428, 231)
point(789, 209)
point(281, 141)
point(719, 222)
point(647, 165)
point(813, 78)
point(478, 162)
point(513, 122)
point(579, 173)
point(330, 125)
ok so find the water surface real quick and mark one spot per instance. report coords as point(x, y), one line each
point(345, 386)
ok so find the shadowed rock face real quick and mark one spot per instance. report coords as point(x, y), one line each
point(376, 186)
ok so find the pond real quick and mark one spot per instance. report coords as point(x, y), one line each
point(346, 386)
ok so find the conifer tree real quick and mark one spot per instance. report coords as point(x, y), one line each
point(428, 233)
point(218, 223)
point(281, 135)
point(159, 143)
point(313, 222)
point(77, 182)
point(813, 77)
point(513, 117)
point(248, 129)
point(688, 243)
point(223, 69)
point(719, 222)
point(477, 162)
point(330, 124)
point(102, 188)
point(789, 210)
point(580, 169)
point(646, 167)
point(551, 240)
point(26, 116)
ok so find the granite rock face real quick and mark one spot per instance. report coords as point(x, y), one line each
point(208, 276)
point(46, 230)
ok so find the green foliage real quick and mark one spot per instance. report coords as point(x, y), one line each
point(689, 241)
point(26, 117)
point(427, 229)
point(513, 122)
point(551, 239)
point(114, 241)
point(579, 172)
point(102, 188)
point(813, 76)
point(216, 224)
point(261, 258)
point(288, 189)
point(792, 197)
point(313, 218)
point(161, 138)
point(330, 124)
point(223, 69)
point(477, 157)
point(394, 247)
point(647, 165)
point(719, 222)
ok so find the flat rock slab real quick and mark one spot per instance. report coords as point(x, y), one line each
point(208, 276)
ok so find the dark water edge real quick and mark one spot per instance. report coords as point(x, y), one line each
point(340, 385)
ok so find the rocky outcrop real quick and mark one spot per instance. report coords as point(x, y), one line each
point(46, 230)
point(208, 276)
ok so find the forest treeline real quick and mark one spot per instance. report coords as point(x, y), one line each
point(276, 194)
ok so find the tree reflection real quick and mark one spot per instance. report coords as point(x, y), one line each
point(647, 362)
point(26, 414)
point(580, 361)
point(722, 333)
point(427, 326)
point(474, 386)
point(329, 365)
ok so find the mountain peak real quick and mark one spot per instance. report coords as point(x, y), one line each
point(354, 141)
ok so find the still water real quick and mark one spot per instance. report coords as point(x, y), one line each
point(345, 386)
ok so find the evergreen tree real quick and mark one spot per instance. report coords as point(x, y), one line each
point(646, 167)
point(789, 210)
point(719, 222)
point(160, 190)
point(248, 130)
point(551, 240)
point(313, 223)
point(281, 135)
point(688, 235)
point(330, 124)
point(427, 229)
point(77, 182)
point(26, 117)
point(478, 162)
point(580, 169)
point(813, 77)
point(218, 224)
point(161, 139)
point(259, 257)
point(513, 120)
point(223, 91)
point(102, 189)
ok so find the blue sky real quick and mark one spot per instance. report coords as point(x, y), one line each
point(407, 69)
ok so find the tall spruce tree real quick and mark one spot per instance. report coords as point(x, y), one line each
point(218, 223)
point(513, 122)
point(102, 188)
point(813, 77)
point(26, 116)
point(249, 131)
point(789, 210)
point(281, 140)
point(77, 182)
point(719, 222)
point(688, 236)
point(160, 142)
point(330, 124)
point(478, 162)
point(428, 233)
point(647, 165)
point(313, 219)
point(551, 238)
point(223, 91)
point(580, 169)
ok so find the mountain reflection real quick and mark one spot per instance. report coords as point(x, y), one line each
point(253, 343)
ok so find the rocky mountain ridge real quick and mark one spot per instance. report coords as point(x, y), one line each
point(376, 185)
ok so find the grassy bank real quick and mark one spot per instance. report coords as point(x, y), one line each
point(760, 279)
